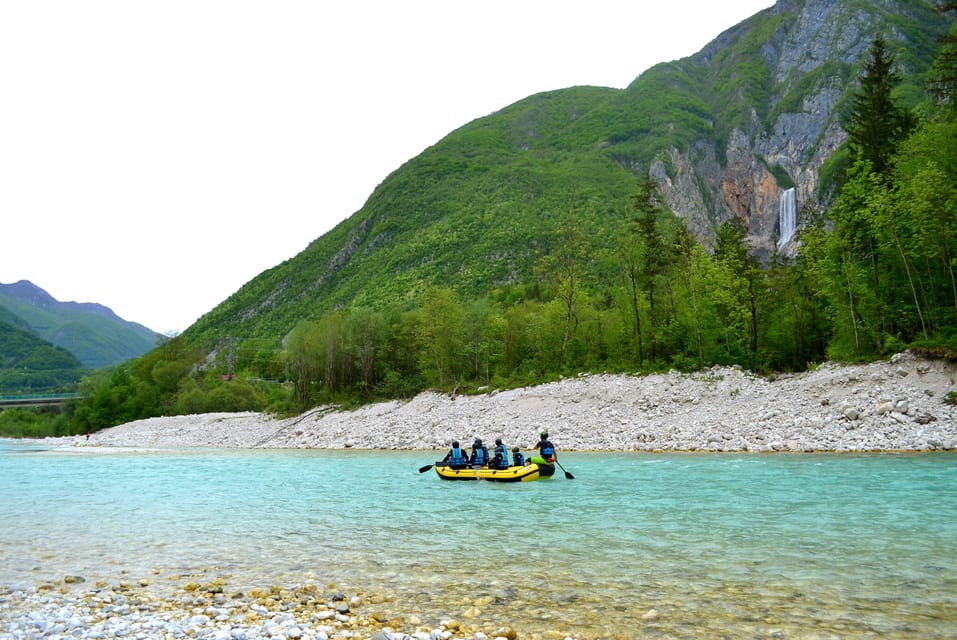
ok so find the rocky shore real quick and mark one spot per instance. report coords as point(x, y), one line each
point(210, 610)
point(898, 405)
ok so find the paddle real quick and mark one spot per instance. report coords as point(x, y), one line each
point(567, 475)
point(425, 468)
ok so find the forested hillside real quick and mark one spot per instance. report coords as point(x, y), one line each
point(619, 230)
point(29, 364)
point(723, 133)
point(95, 335)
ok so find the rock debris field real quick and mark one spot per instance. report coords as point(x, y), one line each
point(898, 405)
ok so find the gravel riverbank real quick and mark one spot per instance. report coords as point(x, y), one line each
point(898, 405)
point(203, 608)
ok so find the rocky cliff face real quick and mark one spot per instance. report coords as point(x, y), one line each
point(707, 185)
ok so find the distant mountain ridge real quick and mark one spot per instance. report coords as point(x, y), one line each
point(93, 333)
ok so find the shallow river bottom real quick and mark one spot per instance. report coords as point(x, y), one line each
point(638, 545)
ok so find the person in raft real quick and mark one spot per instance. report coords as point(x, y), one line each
point(456, 458)
point(499, 456)
point(546, 448)
point(479, 454)
point(518, 458)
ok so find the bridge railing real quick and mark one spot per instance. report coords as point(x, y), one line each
point(35, 399)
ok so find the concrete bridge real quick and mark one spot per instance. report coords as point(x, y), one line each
point(35, 399)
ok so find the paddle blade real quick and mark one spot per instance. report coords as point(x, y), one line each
point(568, 476)
point(425, 468)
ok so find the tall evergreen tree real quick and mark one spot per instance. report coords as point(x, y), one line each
point(942, 77)
point(649, 209)
point(876, 124)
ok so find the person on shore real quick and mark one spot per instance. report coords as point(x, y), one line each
point(518, 458)
point(479, 454)
point(499, 456)
point(456, 458)
point(545, 447)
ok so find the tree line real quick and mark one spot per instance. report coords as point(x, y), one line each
point(875, 274)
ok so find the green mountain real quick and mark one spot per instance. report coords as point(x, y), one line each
point(95, 335)
point(723, 133)
point(31, 364)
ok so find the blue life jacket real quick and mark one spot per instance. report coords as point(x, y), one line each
point(458, 458)
point(480, 455)
point(502, 451)
point(547, 449)
point(518, 459)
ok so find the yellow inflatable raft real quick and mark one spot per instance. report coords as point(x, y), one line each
point(538, 469)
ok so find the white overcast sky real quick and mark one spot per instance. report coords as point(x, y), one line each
point(156, 156)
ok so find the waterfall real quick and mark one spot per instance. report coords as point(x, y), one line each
point(787, 217)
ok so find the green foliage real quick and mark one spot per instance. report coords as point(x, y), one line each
point(742, 79)
point(920, 228)
point(833, 172)
point(91, 332)
point(876, 123)
point(886, 272)
point(781, 177)
point(30, 364)
point(942, 77)
point(476, 211)
point(442, 334)
point(34, 423)
point(531, 244)
point(234, 395)
point(875, 279)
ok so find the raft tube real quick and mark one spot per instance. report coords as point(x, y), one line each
point(537, 469)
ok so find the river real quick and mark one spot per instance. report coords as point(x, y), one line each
point(649, 545)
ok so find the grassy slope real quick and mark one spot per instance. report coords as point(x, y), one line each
point(477, 209)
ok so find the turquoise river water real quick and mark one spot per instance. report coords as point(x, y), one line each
point(636, 545)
